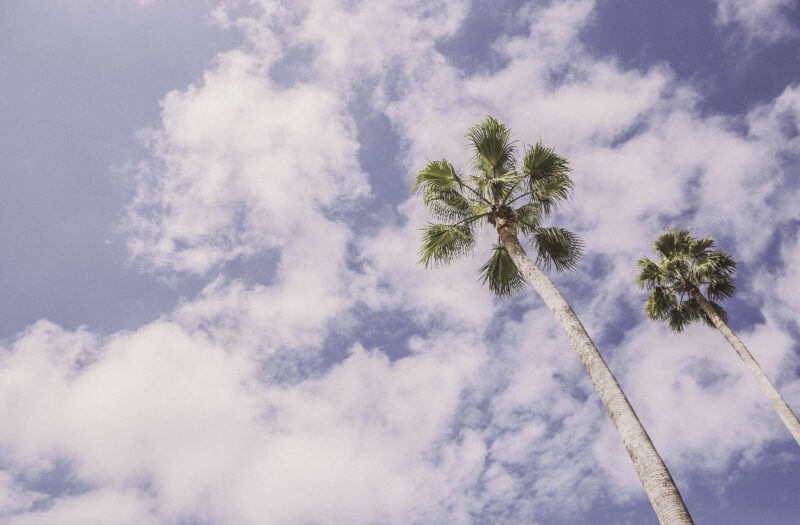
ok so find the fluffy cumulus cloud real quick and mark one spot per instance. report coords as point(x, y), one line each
point(778, 122)
point(185, 429)
point(259, 403)
point(239, 166)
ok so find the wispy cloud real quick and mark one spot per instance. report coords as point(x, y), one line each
point(763, 21)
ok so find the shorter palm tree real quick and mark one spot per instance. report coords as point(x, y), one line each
point(686, 266)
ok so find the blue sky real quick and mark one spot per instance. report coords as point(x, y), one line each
point(213, 310)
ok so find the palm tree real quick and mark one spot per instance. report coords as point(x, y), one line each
point(515, 201)
point(686, 265)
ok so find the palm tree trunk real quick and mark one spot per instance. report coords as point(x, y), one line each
point(783, 410)
point(653, 473)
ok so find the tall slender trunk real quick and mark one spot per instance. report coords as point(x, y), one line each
point(653, 473)
point(784, 412)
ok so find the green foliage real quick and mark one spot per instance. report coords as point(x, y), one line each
point(541, 163)
point(719, 289)
point(547, 176)
point(441, 189)
point(685, 314)
point(442, 243)
point(650, 276)
point(438, 174)
point(686, 265)
point(673, 243)
point(660, 302)
point(529, 219)
point(447, 205)
point(524, 196)
point(501, 274)
point(558, 247)
point(493, 147)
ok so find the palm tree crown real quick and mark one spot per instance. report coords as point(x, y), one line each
point(497, 189)
point(686, 265)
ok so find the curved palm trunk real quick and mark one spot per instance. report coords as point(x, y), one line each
point(654, 475)
point(783, 410)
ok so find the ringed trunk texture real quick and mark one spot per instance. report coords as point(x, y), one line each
point(653, 473)
point(784, 412)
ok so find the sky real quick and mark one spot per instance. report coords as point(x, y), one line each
point(213, 308)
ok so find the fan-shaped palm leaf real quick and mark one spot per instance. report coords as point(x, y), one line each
point(501, 274)
point(547, 176)
point(493, 147)
point(442, 243)
point(529, 219)
point(721, 288)
point(558, 247)
point(650, 275)
point(438, 174)
point(660, 302)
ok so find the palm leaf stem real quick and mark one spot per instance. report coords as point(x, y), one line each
point(511, 192)
point(518, 197)
point(474, 191)
point(470, 219)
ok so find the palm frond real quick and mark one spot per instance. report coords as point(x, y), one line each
point(721, 288)
point(447, 204)
point(557, 247)
point(683, 315)
point(501, 274)
point(444, 192)
point(547, 177)
point(674, 268)
point(542, 163)
point(494, 150)
point(698, 248)
point(713, 266)
point(650, 275)
point(480, 208)
point(496, 188)
point(551, 192)
point(529, 218)
point(438, 175)
point(673, 242)
point(723, 263)
point(443, 243)
point(660, 302)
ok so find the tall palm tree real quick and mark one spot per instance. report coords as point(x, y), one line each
point(515, 200)
point(686, 265)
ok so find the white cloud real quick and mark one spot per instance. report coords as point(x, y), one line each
point(778, 122)
point(240, 166)
point(763, 20)
point(698, 378)
point(191, 423)
point(401, 31)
